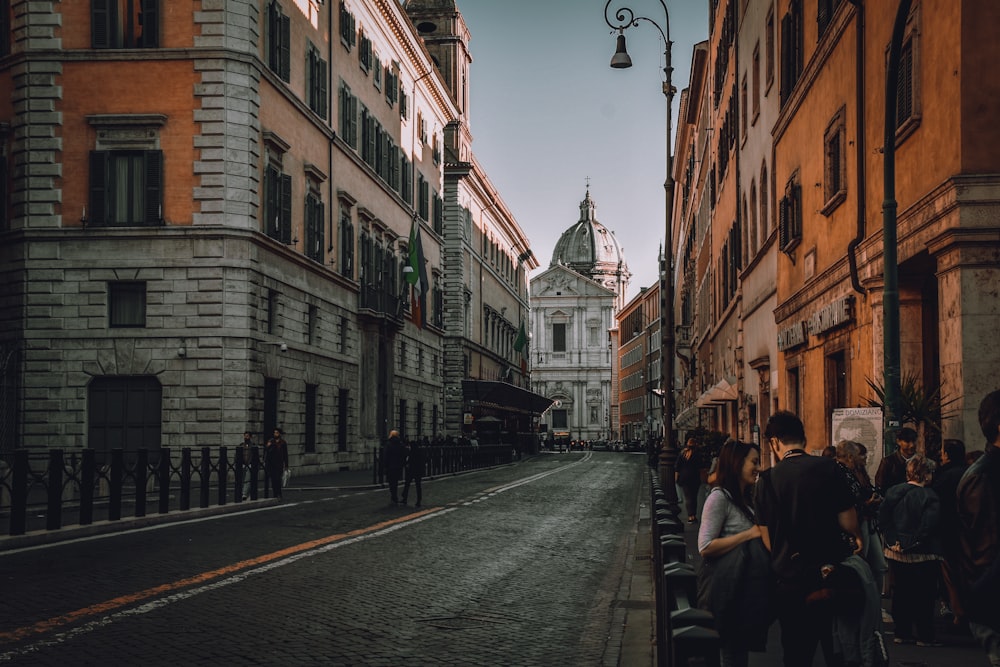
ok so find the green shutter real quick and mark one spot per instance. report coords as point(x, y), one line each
point(285, 56)
point(100, 19)
point(286, 209)
point(150, 24)
point(153, 190)
point(98, 188)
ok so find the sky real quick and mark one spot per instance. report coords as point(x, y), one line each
point(547, 113)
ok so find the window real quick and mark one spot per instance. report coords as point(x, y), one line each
point(272, 311)
point(908, 84)
point(559, 419)
point(309, 437)
point(438, 213)
point(743, 107)
point(755, 79)
point(793, 380)
point(316, 81)
point(765, 221)
point(593, 339)
point(126, 304)
point(423, 190)
point(348, 28)
point(790, 217)
point(791, 49)
point(346, 242)
point(124, 412)
point(558, 337)
point(348, 116)
point(420, 419)
point(836, 380)
point(834, 164)
point(312, 325)
point(315, 215)
point(404, 103)
point(402, 418)
point(278, 204)
point(406, 179)
point(391, 84)
point(825, 10)
point(279, 38)
point(124, 24)
point(125, 188)
point(342, 420)
point(376, 72)
point(365, 53)
point(769, 51)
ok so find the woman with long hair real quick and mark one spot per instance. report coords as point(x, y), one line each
point(734, 557)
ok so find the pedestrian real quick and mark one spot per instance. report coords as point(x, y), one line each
point(851, 457)
point(734, 558)
point(892, 470)
point(804, 510)
point(246, 452)
point(275, 461)
point(688, 476)
point(945, 484)
point(395, 462)
point(910, 517)
point(978, 499)
point(414, 471)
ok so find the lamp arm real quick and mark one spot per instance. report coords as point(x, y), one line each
point(626, 18)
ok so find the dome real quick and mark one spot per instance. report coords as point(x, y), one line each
point(590, 248)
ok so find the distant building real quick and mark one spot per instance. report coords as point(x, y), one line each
point(638, 388)
point(573, 307)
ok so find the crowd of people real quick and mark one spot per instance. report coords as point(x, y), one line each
point(817, 544)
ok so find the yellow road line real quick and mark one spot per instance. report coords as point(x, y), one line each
point(109, 606)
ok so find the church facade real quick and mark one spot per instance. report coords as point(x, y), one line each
point(573, 307)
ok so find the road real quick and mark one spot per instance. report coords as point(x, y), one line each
point(519, 565)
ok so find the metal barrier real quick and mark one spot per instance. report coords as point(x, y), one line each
point(47, 490)
point(685, 635)
point(451, 459)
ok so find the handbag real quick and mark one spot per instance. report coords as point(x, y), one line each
point(285, 476)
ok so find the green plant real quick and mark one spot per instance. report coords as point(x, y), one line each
point(921, 406)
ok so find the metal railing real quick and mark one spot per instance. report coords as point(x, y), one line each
point(444, 460)
point(51, 489)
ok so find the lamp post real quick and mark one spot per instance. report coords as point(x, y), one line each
point(625, 18)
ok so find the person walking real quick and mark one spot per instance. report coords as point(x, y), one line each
point(414, 471)
point(945, 484)
point(246, 452)
point(395, 462)
point(734, 557)
point(688, 477)
point(910, 517)
point(275, 461)
point(892, 469)
point(978, 500)
point(804, 510)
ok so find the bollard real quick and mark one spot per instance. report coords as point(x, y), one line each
point(673, 549)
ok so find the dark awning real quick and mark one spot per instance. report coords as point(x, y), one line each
point(503, 396)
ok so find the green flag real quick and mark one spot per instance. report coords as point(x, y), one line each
point(522, 338)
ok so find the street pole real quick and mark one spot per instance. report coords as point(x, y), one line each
point(890, 261)
point(625, 18)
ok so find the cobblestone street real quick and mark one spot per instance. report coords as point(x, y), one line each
point(519, 565)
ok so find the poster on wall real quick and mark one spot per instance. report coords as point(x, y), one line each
point(862, 425)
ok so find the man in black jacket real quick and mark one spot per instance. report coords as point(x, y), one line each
point(395, 461)
point(892, 470)
point(804, 509)
point(979, 518)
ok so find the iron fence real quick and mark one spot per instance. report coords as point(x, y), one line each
point(51, 489)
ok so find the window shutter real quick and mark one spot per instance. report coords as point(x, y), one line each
point(822, 15)
point(285, 57)
point(271, 213)
point(786, 56)
point(99, 24)
point(796, 220)
point(153, 166)
point(322, 89)
point(98, 187)
point(286, 209)
point(150, 24)
point(320, 213)
point(783, 223)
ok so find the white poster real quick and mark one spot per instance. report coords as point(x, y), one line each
point(862, 425)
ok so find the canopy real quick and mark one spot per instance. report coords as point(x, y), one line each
point(503, 396)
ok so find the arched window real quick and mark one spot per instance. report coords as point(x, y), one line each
point(765, 221)
point(754, 238)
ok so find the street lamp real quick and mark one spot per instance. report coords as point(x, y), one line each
point(625, 18)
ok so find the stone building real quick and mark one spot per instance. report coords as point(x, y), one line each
point(638, 352)
point(573, 307)
point(207, 217)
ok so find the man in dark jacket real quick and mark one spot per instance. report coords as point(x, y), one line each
point(979, 518)
point(892, 470)
point(415, 470)
point(395, 461)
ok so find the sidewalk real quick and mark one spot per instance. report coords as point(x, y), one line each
point(959, 649)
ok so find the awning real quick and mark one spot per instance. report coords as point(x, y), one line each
point(688, 418)
point(720, 393)
point(504, 396)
